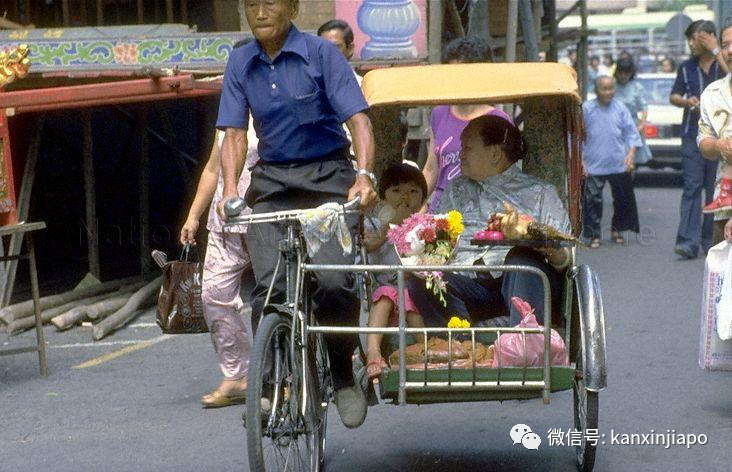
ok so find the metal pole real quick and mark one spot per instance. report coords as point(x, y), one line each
point(582, 51)
point(140, 12)
point(538, 12)
point(531, 43)
point(511, 31)
point(436, 17)
point(511, 37)
point(402, 340)
point(553, 53)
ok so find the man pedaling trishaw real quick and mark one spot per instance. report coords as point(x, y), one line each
point(299, 90)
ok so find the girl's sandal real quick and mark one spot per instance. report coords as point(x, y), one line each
point(375, 368)
point(595, 243)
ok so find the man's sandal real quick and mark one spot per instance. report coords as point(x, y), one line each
point(595, 243)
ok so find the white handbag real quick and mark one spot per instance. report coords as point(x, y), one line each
point(715, 353)
point(724, 302)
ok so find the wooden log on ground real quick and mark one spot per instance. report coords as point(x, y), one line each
point(25, 309)
point(29, 322)
point(92, 311)
point(104, 311)
point(69, 319)
point(126, 313)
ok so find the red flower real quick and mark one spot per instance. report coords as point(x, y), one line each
point(428, 235)
point(442, 225)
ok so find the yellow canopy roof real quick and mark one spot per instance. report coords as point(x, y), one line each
point(468, 83)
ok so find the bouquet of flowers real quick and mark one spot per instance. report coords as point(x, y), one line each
point(424, 239)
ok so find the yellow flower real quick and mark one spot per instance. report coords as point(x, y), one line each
point(454, 322)
point(456, 223)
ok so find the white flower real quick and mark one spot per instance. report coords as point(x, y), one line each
point(415, 244)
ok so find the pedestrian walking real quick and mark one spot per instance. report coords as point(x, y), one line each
point(225, 262)
point(694, 75)
point(632, 94)
point(715, 139)
point(607, 156)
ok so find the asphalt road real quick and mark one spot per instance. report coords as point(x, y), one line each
point(140, 411)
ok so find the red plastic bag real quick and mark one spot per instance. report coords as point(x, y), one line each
point(511, 346)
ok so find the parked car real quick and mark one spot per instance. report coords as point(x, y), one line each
point(663, 129)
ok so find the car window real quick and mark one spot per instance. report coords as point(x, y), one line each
point(658, 90)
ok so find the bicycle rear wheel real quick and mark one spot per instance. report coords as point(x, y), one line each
point(281, 435)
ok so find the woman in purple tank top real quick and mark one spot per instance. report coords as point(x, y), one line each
point(447, 122)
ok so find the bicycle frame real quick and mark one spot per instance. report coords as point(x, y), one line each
point(402, 330)
point(291, 250)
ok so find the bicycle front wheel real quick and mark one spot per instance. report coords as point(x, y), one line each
point(283, 432)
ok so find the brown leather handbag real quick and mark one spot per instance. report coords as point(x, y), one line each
point(180, 309)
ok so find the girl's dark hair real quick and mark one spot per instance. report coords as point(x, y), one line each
point(402, 173)
point(467, 50)
point(496, 130)
point(625, 65)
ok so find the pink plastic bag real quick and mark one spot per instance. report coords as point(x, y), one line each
point(511, 345)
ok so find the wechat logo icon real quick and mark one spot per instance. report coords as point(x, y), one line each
point(522, 434)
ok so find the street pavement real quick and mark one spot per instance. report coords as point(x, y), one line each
point(139, 411)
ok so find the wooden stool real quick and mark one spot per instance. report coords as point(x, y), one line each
point(25, 230)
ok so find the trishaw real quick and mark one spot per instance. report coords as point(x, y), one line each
point(289, 380)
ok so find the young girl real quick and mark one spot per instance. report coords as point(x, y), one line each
point(403, 191)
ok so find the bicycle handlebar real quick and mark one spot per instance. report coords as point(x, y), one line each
point(348, 208)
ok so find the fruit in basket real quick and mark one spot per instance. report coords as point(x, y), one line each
point(489, 235)
point(519, 226)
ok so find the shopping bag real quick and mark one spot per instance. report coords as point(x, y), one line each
point(180, 309)
point(724, 303)
point(528, 350)
point(714, 352)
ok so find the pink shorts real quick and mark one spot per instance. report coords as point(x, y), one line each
point(390, 292)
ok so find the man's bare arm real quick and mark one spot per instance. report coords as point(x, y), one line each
point(233, 158)
point(681, 102)
point(363, 146)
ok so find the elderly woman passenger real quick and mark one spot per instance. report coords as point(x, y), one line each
point(491, 146)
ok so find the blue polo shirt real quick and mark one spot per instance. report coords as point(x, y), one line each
point(298, 101)
point(691, 81)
